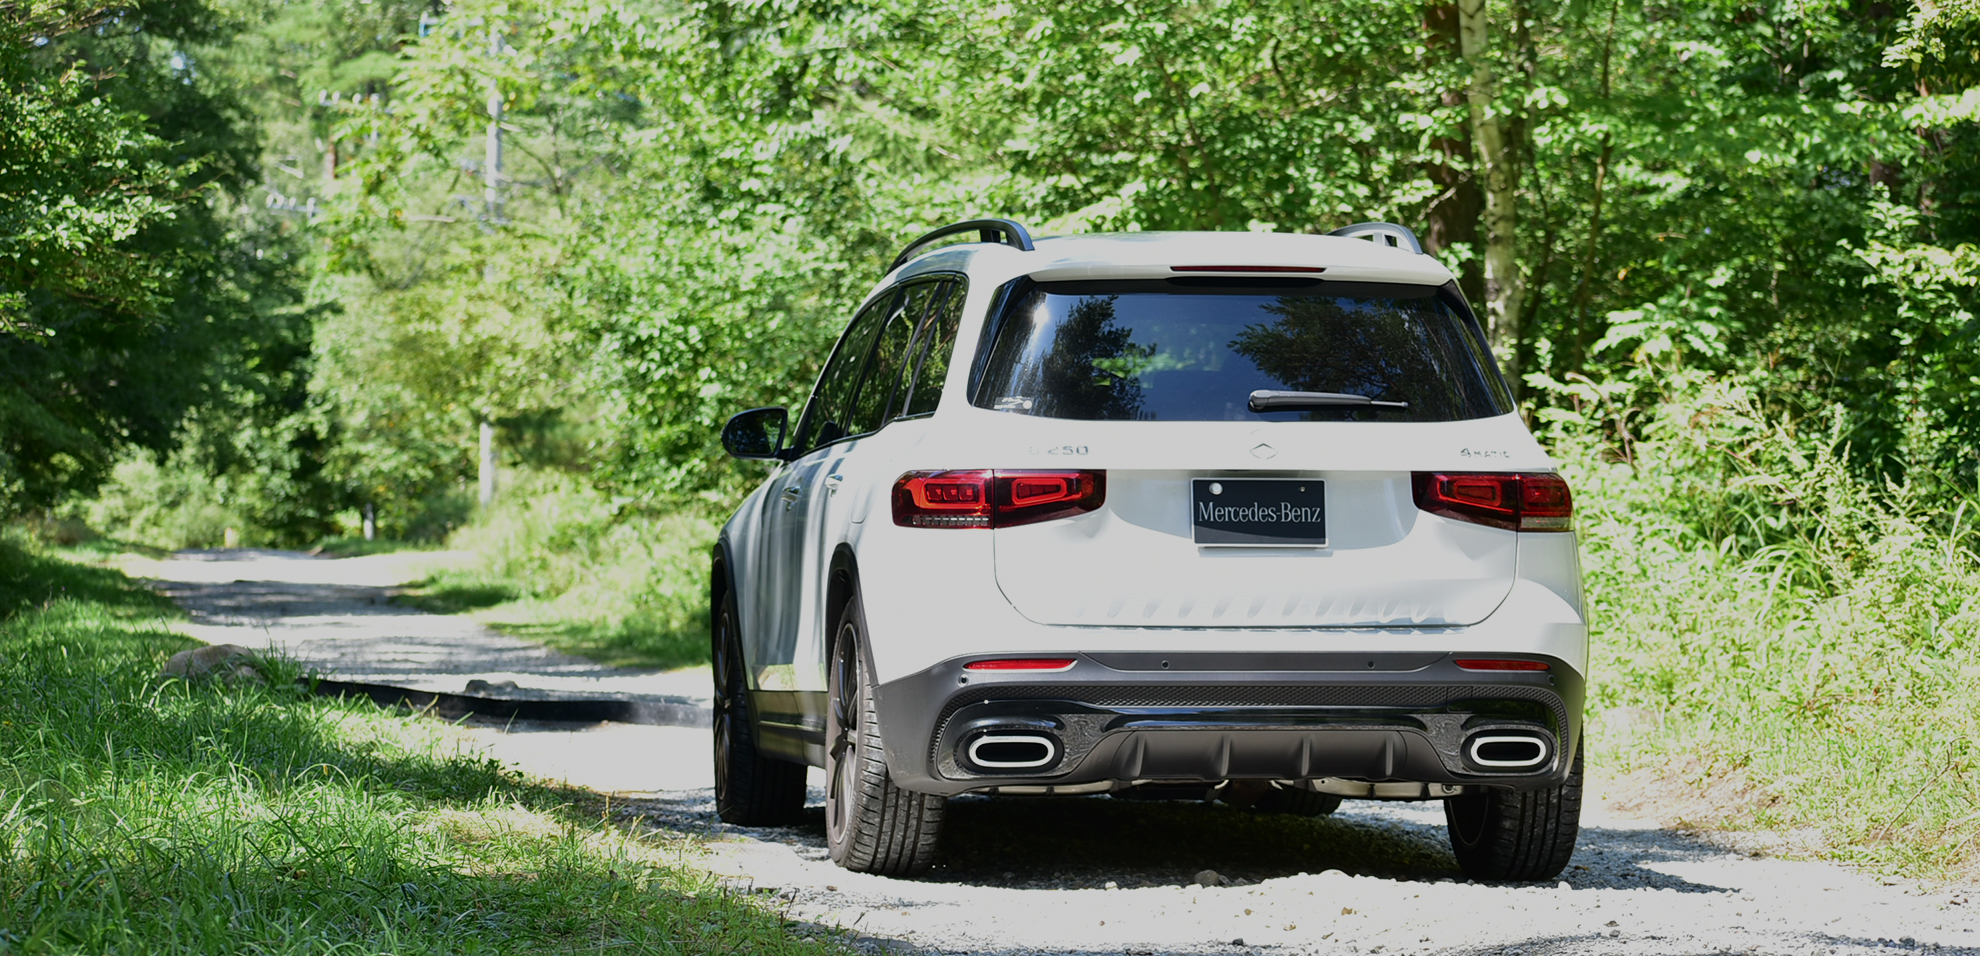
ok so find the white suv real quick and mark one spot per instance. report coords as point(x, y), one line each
point(1163, 515)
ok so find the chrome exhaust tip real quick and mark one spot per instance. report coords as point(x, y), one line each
point(1006, 752)
point(1503, 751)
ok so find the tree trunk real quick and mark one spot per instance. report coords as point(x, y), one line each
point(1498, 159)
point(1452, 216)
point(1584, 290)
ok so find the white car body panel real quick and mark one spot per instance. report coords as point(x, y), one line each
point(1128, 576)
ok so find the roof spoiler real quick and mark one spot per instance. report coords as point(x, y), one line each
point(1382, 234)
point(1003, 231)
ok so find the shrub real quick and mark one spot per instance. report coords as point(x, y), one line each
point(169, 505)
point(580, 570)
point(1797, 625)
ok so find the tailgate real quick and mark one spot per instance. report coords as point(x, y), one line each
point(1136, 561)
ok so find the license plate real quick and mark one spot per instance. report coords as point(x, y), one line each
point(1259, 511)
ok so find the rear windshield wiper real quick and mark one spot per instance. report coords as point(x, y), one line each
point(1268, 400)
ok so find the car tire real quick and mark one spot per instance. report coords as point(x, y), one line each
point(751, 788)
point(1516, 835)
point(1297, 802)
point(871, 826)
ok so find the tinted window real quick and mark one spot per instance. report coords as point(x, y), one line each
point(883, 373)
point(936, 342)
point(825, 417)
point(1194, 350)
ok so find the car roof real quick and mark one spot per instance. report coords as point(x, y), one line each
point(1123, 255)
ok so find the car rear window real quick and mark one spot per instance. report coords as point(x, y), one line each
point(1194, 349)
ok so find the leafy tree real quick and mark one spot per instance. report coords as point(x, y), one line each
point(128, 293)
point(695, 198)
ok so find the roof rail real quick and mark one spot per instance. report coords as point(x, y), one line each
point(989, 230)
point(1383, 234)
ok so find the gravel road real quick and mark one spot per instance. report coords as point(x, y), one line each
point(1096, 875)
point(336, 615)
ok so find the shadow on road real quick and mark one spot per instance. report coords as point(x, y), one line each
point(1088, 842)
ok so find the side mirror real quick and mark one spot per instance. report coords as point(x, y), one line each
point(757, 433)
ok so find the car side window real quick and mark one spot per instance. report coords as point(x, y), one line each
point(890, 354)
point(934, 344)
point(824, 419)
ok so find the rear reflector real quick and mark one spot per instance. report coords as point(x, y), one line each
point(1510, 501)
point(1022, 664)
point(1497, 665)
point(994, 499)
point(1301, 270)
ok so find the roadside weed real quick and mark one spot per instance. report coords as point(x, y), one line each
point(140, 815)
point(559, 562)
point(1805, 636)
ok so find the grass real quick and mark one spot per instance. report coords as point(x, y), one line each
point(1799, 646)
point(560, 564)
point(349, 546)
point(140, 815)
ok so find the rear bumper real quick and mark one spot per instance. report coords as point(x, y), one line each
point(1210, 716)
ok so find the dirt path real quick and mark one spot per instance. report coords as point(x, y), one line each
point(336, 615)
point(1097, 875)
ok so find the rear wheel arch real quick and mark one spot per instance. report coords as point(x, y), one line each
point(871, 825)
point(721, 574)
point(718, 569)
point(721, 586)
point(842, 589)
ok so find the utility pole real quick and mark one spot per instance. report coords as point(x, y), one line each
point(491, 175)
point(487, 462)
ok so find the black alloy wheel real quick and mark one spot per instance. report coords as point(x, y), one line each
point(751, 789)
point(871, 826)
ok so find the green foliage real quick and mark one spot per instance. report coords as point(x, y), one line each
point(140, 307)
point(559, 562)
point(1817, 633)
point(703, 194)
point(168, 506)
point(696, 197)
point(157, 816)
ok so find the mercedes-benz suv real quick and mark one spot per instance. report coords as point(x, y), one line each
point(1239, 516)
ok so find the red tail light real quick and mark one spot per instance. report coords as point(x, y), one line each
point(943, 499)
point(1022, 664)
point(1513, 502)
point(994, 499)
point(1499, 665)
